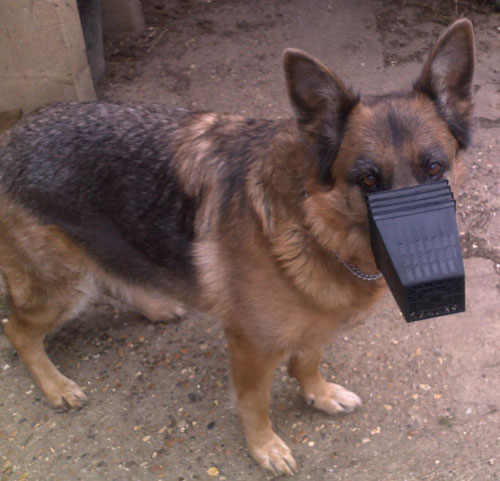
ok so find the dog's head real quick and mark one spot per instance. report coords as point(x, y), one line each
point(379, 143)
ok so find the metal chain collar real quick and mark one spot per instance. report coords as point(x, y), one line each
point(356, 272)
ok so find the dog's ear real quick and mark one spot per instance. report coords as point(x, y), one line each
point(321, 103)
point(447, 78)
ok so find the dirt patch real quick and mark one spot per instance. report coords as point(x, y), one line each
point(404, 26)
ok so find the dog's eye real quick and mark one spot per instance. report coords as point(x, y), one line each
point(434, 168)
point(369, 180)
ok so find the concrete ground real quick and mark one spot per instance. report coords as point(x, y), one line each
point(159, 394)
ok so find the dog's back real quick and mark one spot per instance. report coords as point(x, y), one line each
point(103, 173)
point(126, 181)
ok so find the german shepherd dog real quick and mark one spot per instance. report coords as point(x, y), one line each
point(260, 222)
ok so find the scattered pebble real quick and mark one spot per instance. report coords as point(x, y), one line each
point(213, 471)
point(7, 467)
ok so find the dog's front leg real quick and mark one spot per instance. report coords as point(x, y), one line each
point(252, 372)
point(323, 395)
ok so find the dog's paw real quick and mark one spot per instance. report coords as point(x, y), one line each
point(179, 311)
point(333, 399)
point(274, 455)
point(174, 312)
point(65, 394)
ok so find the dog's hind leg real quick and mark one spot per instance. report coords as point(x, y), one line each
point(47, 283)
point(154, 305)
point(323, 395)
point(27, 339)
point(37, 307)
point(252, 372)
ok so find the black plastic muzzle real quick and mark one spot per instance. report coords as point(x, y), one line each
point(414, 238)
